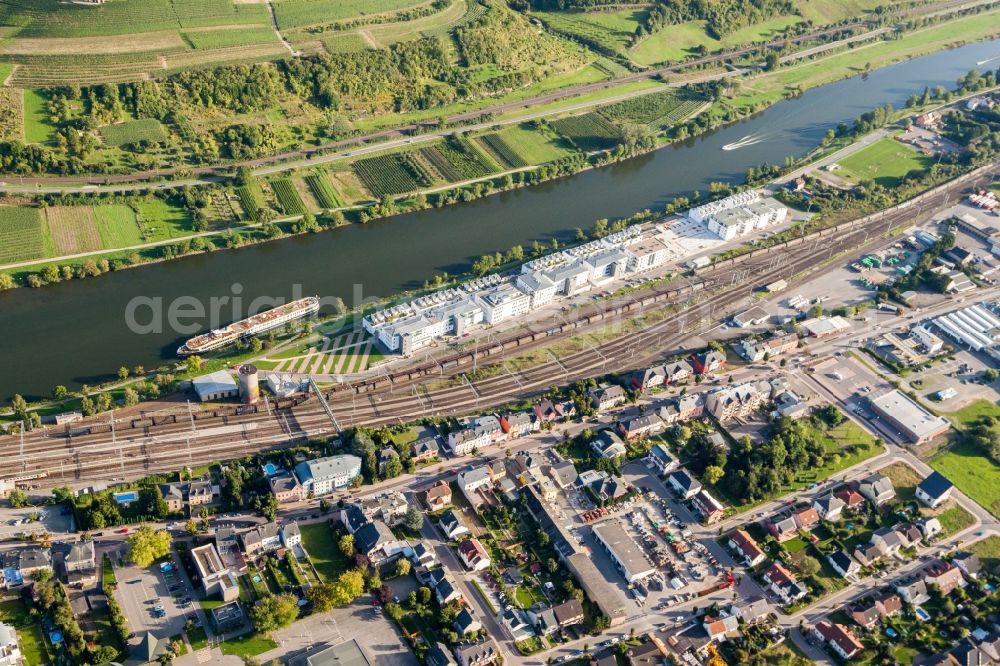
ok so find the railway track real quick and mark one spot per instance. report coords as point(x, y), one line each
point(101, 449)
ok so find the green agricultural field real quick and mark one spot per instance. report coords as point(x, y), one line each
point(22, 235)
point(973, 473)
point(159, 220)
point(37, 128)
point(885, 162)
point(677, 42)
point(588, 132)
point(288, 198)
point(534, 146)
point(823, 12)
point(117, 226)
point(133, 131)
point(226, 38)
point(611, 31)
point(321, 187)
point(296, 13)
point(466, 160)
point(5, 69)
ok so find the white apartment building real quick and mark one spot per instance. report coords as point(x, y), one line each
point(504, 302)
point(702, 213)
point(324, 475)
point(646, 255)
point(540, 288)
point(735, 222)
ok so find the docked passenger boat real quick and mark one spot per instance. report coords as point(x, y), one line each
point(258, 323)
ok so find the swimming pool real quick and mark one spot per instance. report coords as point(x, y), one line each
point(126, 497)
point(921, 614)
point(55, 637)
point(270, 469)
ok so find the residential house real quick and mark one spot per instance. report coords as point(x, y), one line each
point(708, 361)
point(913, 591)
point(718, 627)
point(482, 652)
point(806, 518)
point(216, 578)
point(783, 528)
point(608, 489)
point(738, 401)
point(352, 517)
point(747, 548)
point(286, 488)
point(291, 536)
point(438, 655)
point(934, 490)
point(198, 493)
point(641, 427)
point(944, 576)
point(829, 507)
point(645, 654)
point(390, 507)
point(677, 371)
point(386, 455)
point(527, 466)
point(889, 539)
point(447, 591)
point(869, 553)
point(752, 610)
point(261, 539)
point(518, 424)
point(452, 525)
point(438, 496)
point(683, 484)
point(838, 638)
point(464, 441)
point(608, 445)
point(783, 583)
point(888, 604)
point(870, 611)
point(173, 495)
point(851, 498)
point(710, 509)
point(877, 488)
point(649, 378)
point(474, 555)
point(606, 397)
point(659, 458)
point(843, 564)
point(517, 622)
point(690, 406)
point(568, 613)
point(424, 449)
point(473, 481)
point(377, 542)
point(563, 473)
point(543, 619)
point(466, 623)
point(545, 412)
point(929, 527)
point(31, 560)
point(10, 651)
point(969, 564)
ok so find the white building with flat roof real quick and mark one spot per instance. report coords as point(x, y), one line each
point(504, 302)
point(742, 220)
point(647, 254)
point(702, 213)
point(912, 421)
point(631, 561)
point(324, 475)
point(539, 287)
point(215, 386)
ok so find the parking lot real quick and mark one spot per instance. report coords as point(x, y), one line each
point(51, 519)
point(154, 599)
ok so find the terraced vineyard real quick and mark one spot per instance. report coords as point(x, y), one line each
point(217, 39)
point(502, 151)
point(440, 163)
point(251, 198)
point(591, 131)
point(288, 198)
point(297, 13)
point(659, 110)
point(391, 174)
point(22, 234)
point(53, 18)
point(321, 187)
point(467, 160)
point(133, 131)
point(73, 229)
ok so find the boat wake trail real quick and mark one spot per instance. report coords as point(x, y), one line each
point(983, 62)
point(748, 140)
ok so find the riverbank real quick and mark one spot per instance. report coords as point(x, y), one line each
point(73, 333)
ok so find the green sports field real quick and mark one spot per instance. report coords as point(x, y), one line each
point(885, 162)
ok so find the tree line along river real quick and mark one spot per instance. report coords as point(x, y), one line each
point(76, 332)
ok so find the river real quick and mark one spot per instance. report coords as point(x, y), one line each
point(76, 332)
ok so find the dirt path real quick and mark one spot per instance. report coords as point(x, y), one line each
point(274, 26)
